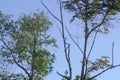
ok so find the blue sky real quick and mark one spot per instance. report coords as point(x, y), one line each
point(102, 47)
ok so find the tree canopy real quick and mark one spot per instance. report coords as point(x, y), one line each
point(24, 44)
point(94, 12)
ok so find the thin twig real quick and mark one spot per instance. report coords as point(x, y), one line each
point(112, 53)
point(67, 53)
point(74, 40)
point(21, 67)
point(50, 12)
point(92, 44)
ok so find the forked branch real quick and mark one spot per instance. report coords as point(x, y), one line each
point(66, 45)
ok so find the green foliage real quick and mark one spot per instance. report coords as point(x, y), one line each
point(99, 64)
point(24, 43)
point(93, 11)
point(91, 7)
point(8, 76)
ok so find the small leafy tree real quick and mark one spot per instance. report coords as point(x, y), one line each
point(95, 15)
point(24, 44)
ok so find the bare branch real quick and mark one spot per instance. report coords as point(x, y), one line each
point(21, 67)
point(67, 53)
point(87, 59)
point(7, 46)
point(112, 53)
point(92, 44)
point(63, 76)
point(69, 63)
point(50, 12)
point(74, 41)
point(66, 45)
point(86, 32)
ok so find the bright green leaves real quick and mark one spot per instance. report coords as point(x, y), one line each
point(30, 41)
point(34, 23)
point(25, 44)
point(43, 62)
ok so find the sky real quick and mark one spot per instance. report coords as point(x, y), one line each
point(102, 46)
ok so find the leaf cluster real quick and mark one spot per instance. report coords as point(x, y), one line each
point(90, 8)
point(24, 43)
point(99, 64)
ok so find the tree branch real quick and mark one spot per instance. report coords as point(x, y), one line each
point(21, 67)
point(66, 45)
point(12, 51)
point(63, 76)
point(104, 71)
point(92, 44)
point(51, 12)
point(67, 53)
point(100, 23)
point(84, 60)
point(112, 53)
point(69, 63)
point(87, 59)
point(74, 41)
